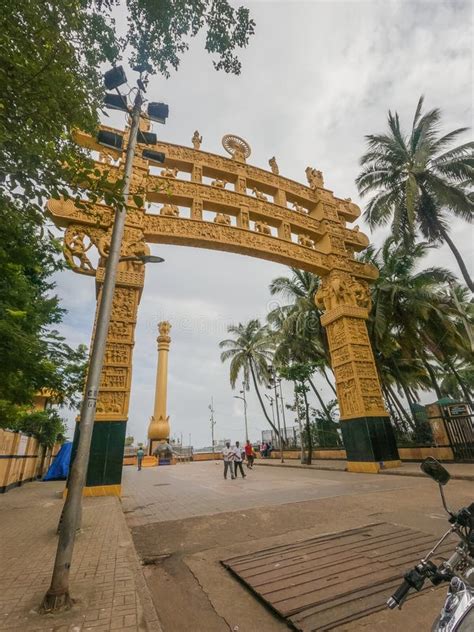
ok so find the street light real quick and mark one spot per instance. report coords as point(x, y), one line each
point(142, 258)
point(273, 383)
point(58, 596)
point(245, 413)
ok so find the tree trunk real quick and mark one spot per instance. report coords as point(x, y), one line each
point(275, 430)
point(464, 388)
point(308, 426)
point(323, 405)
point(399, 405)
point(323, 370)
point(297, 404)
point(459, 259)
point(433, 380)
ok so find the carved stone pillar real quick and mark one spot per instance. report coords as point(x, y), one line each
point(104, 474)
point(159, 428)
point(366, 429)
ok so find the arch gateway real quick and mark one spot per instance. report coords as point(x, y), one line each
point(206, 200)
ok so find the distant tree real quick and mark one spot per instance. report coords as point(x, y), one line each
point(129, 441)
point(250, 353)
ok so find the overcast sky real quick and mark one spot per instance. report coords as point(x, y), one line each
point(316, 78)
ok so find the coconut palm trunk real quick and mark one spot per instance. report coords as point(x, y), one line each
point(257, 390)
point(458, 257)
point(308, 426)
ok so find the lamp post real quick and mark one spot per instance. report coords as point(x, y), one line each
point(58, 594)
point(213, 423)
point(273, 383)
point(245, 413)
point(283, 410)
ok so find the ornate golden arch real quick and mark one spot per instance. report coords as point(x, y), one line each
point(210, 201)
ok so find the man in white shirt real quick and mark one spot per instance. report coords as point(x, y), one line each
point(238, 459)
point(228, 456)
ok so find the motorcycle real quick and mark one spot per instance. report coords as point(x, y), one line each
point(457, 614)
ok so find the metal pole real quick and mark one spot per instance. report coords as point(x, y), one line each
point(278, 421)
point(58, 593)
point(283, 412)
point(246, 423)
point(212, 426)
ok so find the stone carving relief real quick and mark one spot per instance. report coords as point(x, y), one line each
point(194, 190)
point(117, 353)
point(220, 184)
point(171, 210)
point(315, 178)
point(300, 209)
point(76, 245)
point(123, 307)
point(259, 195)
point(340, 288)
point(110, 402)
point(273, 166)
point(305, 240)
point(170, 172)
point(262, 227)
point(196, 140)
point(119, 330)
point(114, 377)
point(222, 218)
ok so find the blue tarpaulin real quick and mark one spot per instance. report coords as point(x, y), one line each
point(59, 468)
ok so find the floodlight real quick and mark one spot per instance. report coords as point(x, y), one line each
point(114, 78)
point(147, 138)
point(116, 102)
point(158, 112)
point(154, 156)
point(110, 139)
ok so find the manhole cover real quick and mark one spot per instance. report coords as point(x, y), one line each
point(324, 582)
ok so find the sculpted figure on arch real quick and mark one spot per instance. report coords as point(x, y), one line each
point(339, 288)
point(196, 140)
point(314, 177)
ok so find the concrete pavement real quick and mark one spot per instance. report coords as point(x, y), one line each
point(185, 519)
point(458, 471)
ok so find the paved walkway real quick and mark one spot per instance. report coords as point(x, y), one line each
point(186, 518)
point(106, 579)
point(458, 471)
point(158, 494)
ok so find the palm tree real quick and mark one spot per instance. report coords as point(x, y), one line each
point(297, 326)
point(415, 326)
point(250, 352)
point(418, 181)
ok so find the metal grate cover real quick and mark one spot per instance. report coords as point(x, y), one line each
point(327, 581)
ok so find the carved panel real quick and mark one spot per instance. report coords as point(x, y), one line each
point(124, 304)
point(120, 330)
point(117, 354)
point(111, 402)
point(114, 378)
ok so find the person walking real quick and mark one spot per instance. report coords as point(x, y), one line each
point(238, 460)
point(228, 457)
point(250, 454)
point(140, 455)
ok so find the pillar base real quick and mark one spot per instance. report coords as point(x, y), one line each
point(106, 455)
point(370, 467)
point(149, 461)
point(100, 490)
point(370, 444)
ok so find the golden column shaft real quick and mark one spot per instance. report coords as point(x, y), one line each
point(159, 428)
